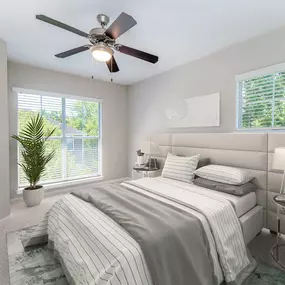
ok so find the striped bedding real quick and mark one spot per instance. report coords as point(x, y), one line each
point(93, 249)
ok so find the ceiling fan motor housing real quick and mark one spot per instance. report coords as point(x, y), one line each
point(97, 34)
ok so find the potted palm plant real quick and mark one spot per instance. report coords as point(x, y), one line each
point(35, 157)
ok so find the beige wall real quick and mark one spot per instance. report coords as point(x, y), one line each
point(147, 100)
point(114, 140)
point(4, 138)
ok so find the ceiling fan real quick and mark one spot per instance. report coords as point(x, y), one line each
point(103, 41)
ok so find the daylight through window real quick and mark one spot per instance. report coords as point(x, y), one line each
point(261, 102)
point(76, 139)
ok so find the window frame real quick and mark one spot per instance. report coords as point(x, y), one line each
point(269, 70)
point(66, 181)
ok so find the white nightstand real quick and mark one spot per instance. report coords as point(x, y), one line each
point(137, 174)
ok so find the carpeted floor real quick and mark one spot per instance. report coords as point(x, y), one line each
point(37, 266)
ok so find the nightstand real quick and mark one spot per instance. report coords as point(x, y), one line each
point(276, 249)
point(141, 173)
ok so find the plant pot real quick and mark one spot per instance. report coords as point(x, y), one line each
point(33, 197)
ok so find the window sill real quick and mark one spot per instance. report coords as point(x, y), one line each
point(65, 184)
point(264, 130)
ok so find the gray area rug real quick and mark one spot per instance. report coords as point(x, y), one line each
point(37, 266)
point(266, 275)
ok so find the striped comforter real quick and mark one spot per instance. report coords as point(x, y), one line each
point(93, 249)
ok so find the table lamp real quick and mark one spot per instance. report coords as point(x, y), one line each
point(150, 148)
point(279, 164)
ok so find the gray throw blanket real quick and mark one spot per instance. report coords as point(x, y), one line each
point(172, 240)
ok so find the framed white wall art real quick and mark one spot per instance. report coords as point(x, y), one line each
point(200, 111)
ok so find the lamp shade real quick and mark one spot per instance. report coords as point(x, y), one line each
point(150, 148)
point(279, 158)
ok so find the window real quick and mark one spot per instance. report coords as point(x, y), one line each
point(76, 139)
point(261, 99)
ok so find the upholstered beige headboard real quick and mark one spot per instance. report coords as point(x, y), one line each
point(252, 151)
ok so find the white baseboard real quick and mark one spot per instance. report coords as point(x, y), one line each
point(69, 188)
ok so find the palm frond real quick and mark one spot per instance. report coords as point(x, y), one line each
point(33, 142)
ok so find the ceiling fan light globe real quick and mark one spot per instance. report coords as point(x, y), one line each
point(101, 55)
point(102, 52)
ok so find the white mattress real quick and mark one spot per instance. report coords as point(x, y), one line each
point(242, 204)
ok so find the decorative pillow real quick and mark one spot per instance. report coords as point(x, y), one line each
point(180, 168)
point(224, 174)
point(202, 162)
point(238, 190)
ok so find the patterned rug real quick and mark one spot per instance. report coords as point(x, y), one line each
point(36, 266)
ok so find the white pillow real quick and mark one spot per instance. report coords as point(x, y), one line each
point(180, 168)
point(224, 174)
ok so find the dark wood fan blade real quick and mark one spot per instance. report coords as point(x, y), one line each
point(122, 24)
point(138, 53)
point(112, 65)
point(72, 51)
point(61, 25)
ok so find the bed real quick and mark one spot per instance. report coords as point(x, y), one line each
point(94, 249)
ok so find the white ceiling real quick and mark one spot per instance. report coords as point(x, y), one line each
point(178, 31)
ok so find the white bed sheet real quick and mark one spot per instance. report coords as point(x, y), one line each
point(242, 204)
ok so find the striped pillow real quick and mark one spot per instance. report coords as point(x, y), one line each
point(180, 168)
point(224, 174)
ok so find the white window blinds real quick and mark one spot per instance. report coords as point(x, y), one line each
point(76, 139)
point(261, 102)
